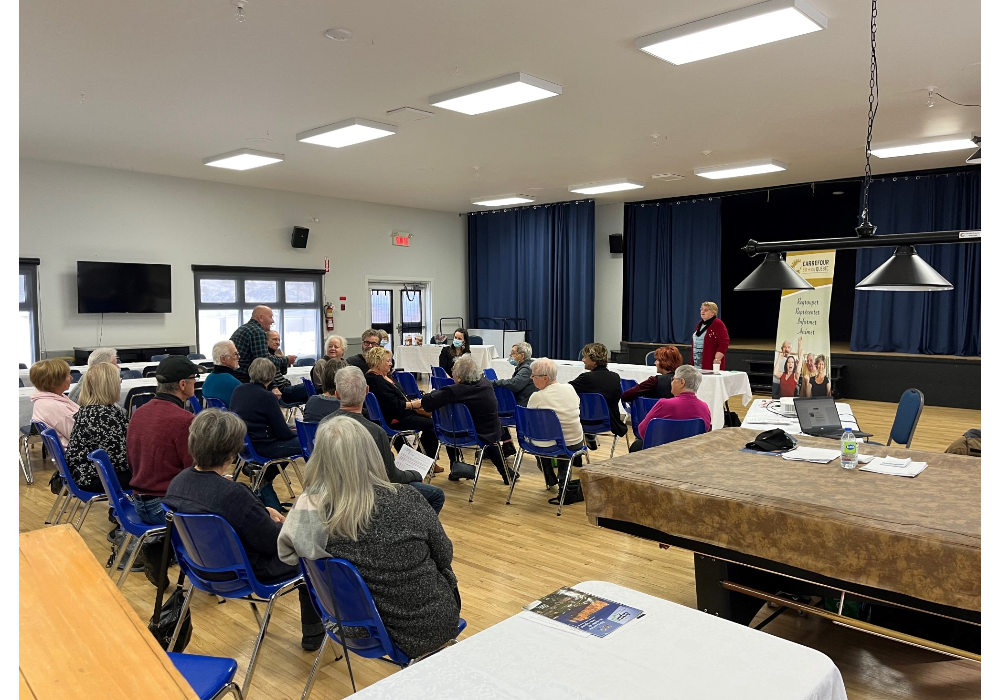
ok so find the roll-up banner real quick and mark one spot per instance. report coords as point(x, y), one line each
point(802, 349)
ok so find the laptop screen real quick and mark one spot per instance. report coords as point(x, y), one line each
point(817, 413)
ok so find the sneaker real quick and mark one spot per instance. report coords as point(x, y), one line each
point(113, 535)
point(313, 641)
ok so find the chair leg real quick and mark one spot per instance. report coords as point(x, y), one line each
point(25, 456)
point(312, 674)
point(118, 558)
point(83, 515)
point(288, 484)
point(562, 491)
point(479, 465)
point(55, 504)
point(251, 667)
point(184, 608)
point(229, 688)
point(517, 470)
point(69, 498)
point(295, 467)
point(135, 552)
point(613, 443)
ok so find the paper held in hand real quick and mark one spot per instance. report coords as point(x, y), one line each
point(409, 458)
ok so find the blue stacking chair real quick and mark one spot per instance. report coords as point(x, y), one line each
point(124, 511)
point(506, 404)
point(24, 449)
point(343, 600)
point(490, 374)
point(536, 425)
point(408, 384)
point(307, 436)
point(195, 356)
point(72, 492)
point(904, 425)
point(310, 387)
point(595, 417)
point(475, 340)
point(212, 402)
point(211, 677)
point(453, 427)
point(375, 415)
point(251, 458)
point(660, 431)
point(640, 407)
point(138, 396)
point(130, 374)
point(627, 384)
point(207, 544)
point(195, 405)
point(438, 382)
point(158, 358)
point(305, 362)
point(438, 372)
point(651, 358)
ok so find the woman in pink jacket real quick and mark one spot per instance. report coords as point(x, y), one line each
point(51, 378)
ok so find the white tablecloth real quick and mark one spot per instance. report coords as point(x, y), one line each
point(139, 366)
point(420, 358)
point(671, 652)
point(761, 416)
point(715, 389)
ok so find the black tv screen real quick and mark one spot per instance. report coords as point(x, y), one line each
point(122, 288)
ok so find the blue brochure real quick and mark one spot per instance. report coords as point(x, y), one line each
point(583, 611)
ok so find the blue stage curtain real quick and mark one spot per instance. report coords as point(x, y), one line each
point(672, 265)
point(931, 323)
point(536, 263)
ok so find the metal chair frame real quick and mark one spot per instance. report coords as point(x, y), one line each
point(559, 449)
point(375, 414)
point(73, 494)
point(438, 382)
point(251, 458)
point(24, 452)
point(454, 427)
point(595, 420)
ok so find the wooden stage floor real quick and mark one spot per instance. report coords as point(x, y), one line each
point(507, 556)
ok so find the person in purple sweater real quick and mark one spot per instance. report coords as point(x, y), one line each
point(685, 404)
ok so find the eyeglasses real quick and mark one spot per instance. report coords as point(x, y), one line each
point(370, 343)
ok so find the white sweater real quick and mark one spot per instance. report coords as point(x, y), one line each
point(563, 399)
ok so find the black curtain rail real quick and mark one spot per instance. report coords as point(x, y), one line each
point(753, 247)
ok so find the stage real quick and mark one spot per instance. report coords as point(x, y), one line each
point(945, 380)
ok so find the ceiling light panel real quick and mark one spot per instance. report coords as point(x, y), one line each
point(936, 144)
point(745, 28)
point(503, 200)
point(606, 186)
point(346, 133)
point(752, 167)
point(243, 159)
point(507, 91)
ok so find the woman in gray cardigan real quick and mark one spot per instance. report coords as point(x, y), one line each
point(350, 510)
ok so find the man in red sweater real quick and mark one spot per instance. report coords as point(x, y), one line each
point(157, 440)
point(684, 406)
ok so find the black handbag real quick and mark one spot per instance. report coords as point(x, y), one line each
point(166, 615)
point(55, 483)
point(574, 492)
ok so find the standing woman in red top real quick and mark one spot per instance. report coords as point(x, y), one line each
point(710, 340)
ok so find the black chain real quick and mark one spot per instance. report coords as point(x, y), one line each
point(872, 109)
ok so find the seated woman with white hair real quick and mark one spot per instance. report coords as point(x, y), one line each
point(350, 510)
point(563, 399)
point(336, 346)
point(684, 406)
point(225, 375)
point(97, 356)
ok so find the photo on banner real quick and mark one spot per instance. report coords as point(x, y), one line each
point(802, 349)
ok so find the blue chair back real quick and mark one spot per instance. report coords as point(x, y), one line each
point(330, 580)
point(305, 362)
point(438, 382)
point(307, 436)
point(595, 417)
point(375, 413)
point(74, 376)
point(438, 372)
point(121, 505)
point(540, 425)
point(506, 405)
point(911, 405)
point(627, 384)
point(212, 402)
point(651, 358)
point(195, 356)
point(130, 374)
point(475, 340)
point(660, 431)
point(490, 374)
point(408, 384)
point(158, 358)
point(310, 387)
point(55, 448)
point(20, 383)
point(207, 675)
point(251, 455)
point(195, 405)
point(640, 407)
point(206, 543)
point(453, 426)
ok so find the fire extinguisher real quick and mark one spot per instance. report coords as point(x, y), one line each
point(328, 313)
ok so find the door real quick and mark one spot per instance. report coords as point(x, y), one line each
point(400, 309)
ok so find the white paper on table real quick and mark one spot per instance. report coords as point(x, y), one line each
point(761, 414)
point(409, 458)
point(889, 465)
point(865, 459)
point(811, 454)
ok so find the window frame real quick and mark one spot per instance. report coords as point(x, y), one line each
point(29, 268)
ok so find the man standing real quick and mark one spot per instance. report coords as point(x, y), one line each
point(369, 339)
point(289, 393)
point(250, 340)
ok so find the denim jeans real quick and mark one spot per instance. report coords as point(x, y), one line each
point(433, 494)
point(149, 511)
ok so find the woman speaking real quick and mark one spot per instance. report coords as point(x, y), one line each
point(710, 340)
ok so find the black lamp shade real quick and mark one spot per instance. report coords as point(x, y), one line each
point(905, 271)
point(774, 274)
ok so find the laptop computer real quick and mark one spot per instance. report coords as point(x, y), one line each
point(818, 417)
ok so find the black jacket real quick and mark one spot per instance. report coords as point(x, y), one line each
point(390, 397)
point(520, 383)
point(358, 361)
point(259, 409)
point(478, 398)
point(396, 476)
point(446, 360)
point(603, 381)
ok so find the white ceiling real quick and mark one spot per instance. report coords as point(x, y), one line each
point(157, 86)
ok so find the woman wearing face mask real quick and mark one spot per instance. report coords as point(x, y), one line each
point(449, 353)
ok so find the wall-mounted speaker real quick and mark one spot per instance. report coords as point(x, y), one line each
point(617, 243)
point(300, 236)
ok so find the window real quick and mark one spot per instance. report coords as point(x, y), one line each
point(224, 301)
point(27, 314)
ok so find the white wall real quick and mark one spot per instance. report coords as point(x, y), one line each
point(609, 276)
point(73, 212)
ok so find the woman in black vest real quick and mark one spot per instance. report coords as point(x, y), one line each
point(668, 358)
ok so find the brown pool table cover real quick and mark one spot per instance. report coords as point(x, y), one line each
point(915, 536)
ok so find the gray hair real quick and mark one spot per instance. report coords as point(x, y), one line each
point(221, 349)
point(544, 367)
point(690, 375)
point(466, 370)
point(261, 371)
point(351, 386)
point(342, 474)
point(524, 349)
point(102, 355)
point(215, 437)
point(343, 342)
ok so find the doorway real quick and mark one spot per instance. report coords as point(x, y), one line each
point(401, 309)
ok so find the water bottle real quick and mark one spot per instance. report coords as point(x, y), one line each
point(848, 450)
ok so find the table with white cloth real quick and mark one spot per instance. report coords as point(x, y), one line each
point(672, 651)
point(420, 358)
point(764, 414)
point(715, 389)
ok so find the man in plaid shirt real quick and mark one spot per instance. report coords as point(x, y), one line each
point(250, 340)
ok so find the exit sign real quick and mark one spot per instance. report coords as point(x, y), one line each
point(402, 239)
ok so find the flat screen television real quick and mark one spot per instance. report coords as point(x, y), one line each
point(122, 288)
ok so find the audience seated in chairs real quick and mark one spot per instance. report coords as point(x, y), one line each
point(369, 339)
point(350, 510)
point(351, 390)
point(668, 358)
point(225, 375)
point(564, 400)
point(520, 384)
point(476, 392)
point(600, 380)
point(271, 437)
point(320, 406)
point(215, 438)
point(96, 357)
point(51, 379)
point(290, 393)
point(399, 412)
point(100, 424)
point(456, 348)
point(683, 406)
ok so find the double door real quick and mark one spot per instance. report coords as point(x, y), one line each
point(400, 309)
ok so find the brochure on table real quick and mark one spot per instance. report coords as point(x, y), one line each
point(585, 612)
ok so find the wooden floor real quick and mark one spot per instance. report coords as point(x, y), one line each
point(507, 556)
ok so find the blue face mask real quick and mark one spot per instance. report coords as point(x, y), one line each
point(384, 343)
point(512, 361)
point(457, 343)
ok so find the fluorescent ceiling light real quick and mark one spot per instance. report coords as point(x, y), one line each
point(243, 159)
point(935, 144)
point(502, 200)
point(507, 91)
point(751, 167)
point(747, 27)
point(346, 133)
point(618, 185)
